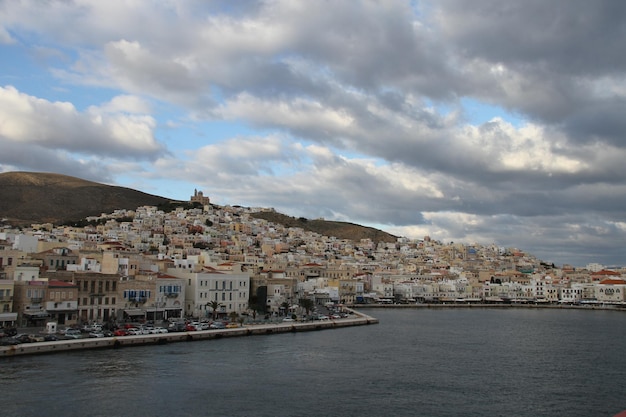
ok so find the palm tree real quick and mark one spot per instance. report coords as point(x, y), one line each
point(214, 306)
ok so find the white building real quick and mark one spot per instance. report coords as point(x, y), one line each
point(230, 291)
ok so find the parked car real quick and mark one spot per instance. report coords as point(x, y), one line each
point(8, 331)
point(120, 332)
point(217, 325)
point(96, 334)
point(176, 327)
point(288, 319)
point(50, 338)
point(133, 331)
point(72, 333)
point(159, 330)
point(8, 341)
point(23, 338)
point(190, 328)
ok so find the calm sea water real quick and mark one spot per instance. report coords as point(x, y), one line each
point(454, 362)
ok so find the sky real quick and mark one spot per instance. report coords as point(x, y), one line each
point(491, 121)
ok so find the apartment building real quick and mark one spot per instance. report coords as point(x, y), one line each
point(230, 290)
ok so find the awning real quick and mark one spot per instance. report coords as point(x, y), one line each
point(37, 315)
point(135, 312)
point(8, 316)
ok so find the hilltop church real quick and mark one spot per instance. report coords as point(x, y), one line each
point(198, 197)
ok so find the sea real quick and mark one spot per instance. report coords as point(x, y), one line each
point(414, 362)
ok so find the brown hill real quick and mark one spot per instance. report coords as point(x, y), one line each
point(30, 197)
point(340, 230)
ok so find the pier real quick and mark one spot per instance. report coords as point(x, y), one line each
point(360, 319)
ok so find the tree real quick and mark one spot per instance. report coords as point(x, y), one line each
point(214, 306)
point(233, 316)
point(307, 304)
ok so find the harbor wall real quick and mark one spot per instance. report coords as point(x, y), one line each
point(159, 339)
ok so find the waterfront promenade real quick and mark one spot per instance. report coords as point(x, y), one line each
point(355, 319)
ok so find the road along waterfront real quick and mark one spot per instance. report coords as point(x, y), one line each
point(358, 319)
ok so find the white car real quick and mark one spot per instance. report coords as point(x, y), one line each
point(159, 330)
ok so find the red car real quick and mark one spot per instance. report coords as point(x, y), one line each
point(120, 332)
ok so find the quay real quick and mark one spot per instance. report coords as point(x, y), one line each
point(360, 319)
point(446, 305)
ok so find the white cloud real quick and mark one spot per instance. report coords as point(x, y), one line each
point(58, 125)
point(351, 110)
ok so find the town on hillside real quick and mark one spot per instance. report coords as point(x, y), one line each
point(202, 260)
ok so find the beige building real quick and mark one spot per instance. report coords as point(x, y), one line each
point(7, 316)
point(97, 294)
point(28, 302)
point(61, 302)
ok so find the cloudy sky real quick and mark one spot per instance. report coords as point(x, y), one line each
point(490, 121)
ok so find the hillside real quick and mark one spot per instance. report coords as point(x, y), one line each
point(32, 197)
point(29, 197)
point(340, 230)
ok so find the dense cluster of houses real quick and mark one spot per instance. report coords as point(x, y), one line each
point(201, 259)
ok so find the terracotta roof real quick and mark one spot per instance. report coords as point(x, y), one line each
point(606, 272)
point(612, 281)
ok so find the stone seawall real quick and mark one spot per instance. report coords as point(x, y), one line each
point(611, 307)
point(158, 339)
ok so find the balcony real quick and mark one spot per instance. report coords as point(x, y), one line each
point(172, 294)
point(6, 298)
